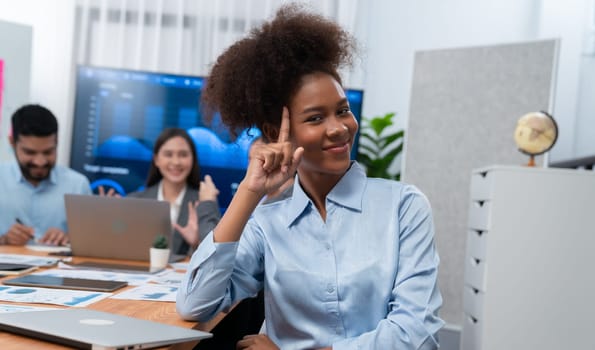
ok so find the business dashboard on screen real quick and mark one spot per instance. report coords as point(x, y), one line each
point(119, 113)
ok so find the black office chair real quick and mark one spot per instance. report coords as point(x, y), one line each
point(246, 318)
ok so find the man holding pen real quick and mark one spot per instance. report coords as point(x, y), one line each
point(32, 187)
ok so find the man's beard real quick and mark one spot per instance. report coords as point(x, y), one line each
point(27, 171)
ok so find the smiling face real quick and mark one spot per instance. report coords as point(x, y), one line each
point(174, 160)
point(36, 156)
point(323, 124)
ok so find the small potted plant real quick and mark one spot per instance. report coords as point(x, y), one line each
point(159, 252)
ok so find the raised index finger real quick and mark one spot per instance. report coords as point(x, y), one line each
point(284, 129)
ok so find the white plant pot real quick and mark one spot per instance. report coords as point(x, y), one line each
point(159, 257)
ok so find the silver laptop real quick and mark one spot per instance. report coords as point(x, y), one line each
point(115, 228)
point(91, 329)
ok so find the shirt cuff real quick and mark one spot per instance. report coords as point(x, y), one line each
point(213, 254)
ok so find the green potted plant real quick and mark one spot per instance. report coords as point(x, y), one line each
point(159, 253)
point(379, 147)
point(160, 242)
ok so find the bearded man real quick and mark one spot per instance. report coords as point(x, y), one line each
point(32, 186)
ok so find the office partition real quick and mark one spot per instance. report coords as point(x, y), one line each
point(464, 106)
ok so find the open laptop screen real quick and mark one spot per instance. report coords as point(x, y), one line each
point(115, 228)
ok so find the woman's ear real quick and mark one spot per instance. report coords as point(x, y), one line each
point(270, 132)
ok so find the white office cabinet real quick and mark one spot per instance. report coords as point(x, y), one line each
point(530, 260)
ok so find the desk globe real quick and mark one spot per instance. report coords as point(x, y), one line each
point(535, 134)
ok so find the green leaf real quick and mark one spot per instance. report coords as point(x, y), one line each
point(364, 159)
point(387, 161)
point(390, 156)
point(368, 137)
point(378, 124)
point(368, 149)
point(388, 139)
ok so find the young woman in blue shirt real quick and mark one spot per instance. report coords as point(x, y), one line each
point(346, 262)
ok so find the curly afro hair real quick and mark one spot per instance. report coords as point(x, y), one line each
point(255, 77)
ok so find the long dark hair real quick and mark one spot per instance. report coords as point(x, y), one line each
point(193, 179)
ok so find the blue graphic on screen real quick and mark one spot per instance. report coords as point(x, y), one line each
point(120, 113)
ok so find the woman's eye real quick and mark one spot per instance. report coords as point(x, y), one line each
point(314, 118)
point(344, 111)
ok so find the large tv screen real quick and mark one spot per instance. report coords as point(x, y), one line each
point(119, 113)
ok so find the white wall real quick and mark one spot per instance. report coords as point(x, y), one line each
point(566, 20)
point(400, 28)
point(15, 53)
point(53, 23)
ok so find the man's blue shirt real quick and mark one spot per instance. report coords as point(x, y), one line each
point(42, 206)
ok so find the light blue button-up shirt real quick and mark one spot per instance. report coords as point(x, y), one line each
point(364, 279)
point(42, 206)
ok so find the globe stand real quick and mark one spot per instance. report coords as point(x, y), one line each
point(531, 160)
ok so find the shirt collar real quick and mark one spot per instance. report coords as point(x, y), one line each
point(16, 171)
point(53, 177)
point(179, 199)
point(348, 192)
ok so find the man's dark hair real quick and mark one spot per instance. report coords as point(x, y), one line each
point(33, 120)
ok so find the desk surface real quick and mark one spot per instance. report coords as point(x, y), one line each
point(164, 312)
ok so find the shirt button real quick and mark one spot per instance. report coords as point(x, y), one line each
point(330, 288)
point(327, 246)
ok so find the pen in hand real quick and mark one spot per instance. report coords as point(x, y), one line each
point(27, 231)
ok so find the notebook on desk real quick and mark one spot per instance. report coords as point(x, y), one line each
point(90, 329)
point(115, 228)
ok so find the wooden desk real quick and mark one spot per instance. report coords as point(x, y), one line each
point(164, 312)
